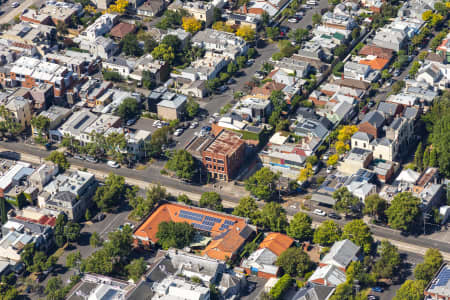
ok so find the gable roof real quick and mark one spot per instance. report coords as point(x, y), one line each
point(375, 118)
point(122, 29)
point(276, 242)
point(314, 292)
point(363, 136)
point(330, 275)
point(376, 51)
point(388, 108)
point(376, 63)
point(341, 254)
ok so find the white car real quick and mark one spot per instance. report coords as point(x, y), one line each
point(178, 132)
point(193, 125)
point(15, 4)
point(320, 212)
point(292, 20)
point(156, 123)
point(330, 169)
point(113, 164)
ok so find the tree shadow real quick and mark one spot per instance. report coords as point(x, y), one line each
point(84, 239)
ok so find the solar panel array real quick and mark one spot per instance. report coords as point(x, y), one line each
point(208, 222)
point(442, 278)
point(191, 215)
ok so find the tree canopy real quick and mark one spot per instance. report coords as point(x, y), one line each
point(388, 266)
point(345, 201)
point(175, 234)
point(295, 262)
point(262, 184)
point(411, 290)
point(59, 159)
point(273, 217)
point(432, 261)
point(183, 164)
point(404, 211)
point(300, 227)
point(211, 200)
point(359, 233)
point(111, 193)
point(128, 109)
point(246, 208)
point(327, 233)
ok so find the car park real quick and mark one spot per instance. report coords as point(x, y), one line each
point(113, 164)
point(319, 212)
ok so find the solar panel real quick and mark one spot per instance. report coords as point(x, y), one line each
point(191, 215)
point(213, 219)
point(228, 222)
point(208, 223)
point(202, 227)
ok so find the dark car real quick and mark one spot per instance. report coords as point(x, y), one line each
point(378, 289)
point(99, 217)
point(334, 216)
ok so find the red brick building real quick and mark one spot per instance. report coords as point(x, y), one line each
point(224, 155)
point(372, 123)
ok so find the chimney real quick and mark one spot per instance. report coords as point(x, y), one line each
point(245, 9)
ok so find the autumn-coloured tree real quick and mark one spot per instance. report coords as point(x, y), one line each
point(222, 26)
point(118, 7)
point(427, 15)
point(346, 132)
point(191, 24)
point(306, 172)
point(246, 32)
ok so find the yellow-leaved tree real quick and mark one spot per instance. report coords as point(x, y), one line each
point(222, 26)
point(191, 24)
point(346, 132)
point(306, 172)
point(427, 15)
point(246, 32)
point(118, 7)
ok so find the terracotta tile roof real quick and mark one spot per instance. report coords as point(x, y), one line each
point(376, 51)
point(277, 242)
point(268, 88)
point(122, 29)
point(376, 64)
point(226, 240)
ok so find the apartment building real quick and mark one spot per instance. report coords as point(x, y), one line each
point(220, 42)
point(202, 11)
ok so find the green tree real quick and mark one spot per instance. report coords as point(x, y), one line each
point(299, 35)
point(404, 211)
point(136, 269)
point(40, 124)
point(184, 199)
point(262, 184)
point(272, 32)
point(359, 233)
point(411, 290)
point(344, 291)
point(300, 227)
point(143, 205)
point(374, 205)
point(183, 164)
point(111, 193)
point(426, 157)
point(316, 18)
point(340, 51)
point(72, 231)
point(247, 208)
point(390, 261)
point(385, 74)
point(232, 68)
point(95, 240)
point(313, 160)
point(345, 201)
point(8, 123)
point(60, 237)
point(295, 262)
point(173, 234)
point(433, 158)
point(327, 233)
point(164, 52)
point(272, 217)
point(441, 140)
point(414, 69)
point(128, 109)
point(73, 259)
point(130, 45)
point(432, 262)
point(211, 200)
point(398, 86)
point(54, 290)
point(278, 290)
point(241, 60)
point(357, 271)
point(59, 159)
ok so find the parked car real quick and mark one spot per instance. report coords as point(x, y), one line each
point(77, 156)
point(231, 81)
point(259, 75)
point(193, 125)
point(131, 121)
point(178, 132)
point(378, 289)
point(250, 62)
point(373, 297)
point(100, 217)
point(92, 159)
point(365, 109)
point(222, 88)
point(334, 216)
point(156, 123)
point(15, 4)
point(397, 73)
point(113, 164)
point(319, 212)
point(330, 169)
point(293, 20)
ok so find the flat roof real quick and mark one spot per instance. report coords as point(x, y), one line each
point(226, 143)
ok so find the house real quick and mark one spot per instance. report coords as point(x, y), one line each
point(75, 125)
point(30, 72)
point(69, 193)
point(424, 95)
point(257, 8)
point(21, 111)
point(12, 184)
point(372, 123)
point(151, 8)
point(379, 52)
point(266, 90)
point(229, 233)
point(224, 156)
point(287, 159)
point(382, 148)
point(118, 65)
point(172, 108)
point(315, 128)
point(439, 286)
point(401, 130)
point(389, 109)
point(157, 69)
point(360, 187)
point(290, 65)
point(404, 99)
point(61, 12)
point(443, 49)
point(220, 42)
point(80, 63)
point(430, 74)
point(99, 47)
point(328, 275)
point(340, 112)
point(121, 30)
point(200, 10)
point(390, 39)
point(341, 255)
point(12, 244)
point(356, 71)
point(415, 9)
point(43, 175)
point(384, 170)
point(239, 19)
point(100, 27)
point(42, 234)
point(173, 287)
point(205, 68)
point(56, 115)
point(314, 292)
point(356, 159)
point(253, 109)
point(262, 261)
point(338, 21)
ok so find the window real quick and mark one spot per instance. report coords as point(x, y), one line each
point(364, 145)
point(219, 161)
point(373, 148)
point(356, 143)
point(381, 156)
point(208, 158)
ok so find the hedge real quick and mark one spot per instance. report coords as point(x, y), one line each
point(281, 286)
